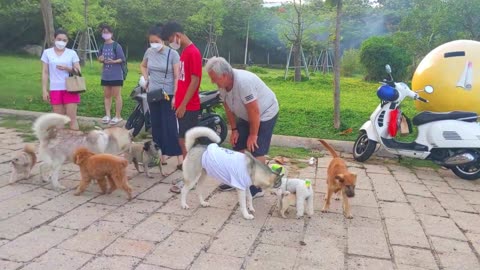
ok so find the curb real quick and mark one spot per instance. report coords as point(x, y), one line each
point(277, 140)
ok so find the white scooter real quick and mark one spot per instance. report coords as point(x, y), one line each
point(450, 139)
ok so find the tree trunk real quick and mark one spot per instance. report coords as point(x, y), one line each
point(336, 67)
point(297, 61)
point(47, 14)
point(83, 43)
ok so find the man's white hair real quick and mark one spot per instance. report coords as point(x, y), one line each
point(219, 65)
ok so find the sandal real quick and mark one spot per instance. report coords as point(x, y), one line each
point(177, 188)
point(180, 167)
point(106, 119)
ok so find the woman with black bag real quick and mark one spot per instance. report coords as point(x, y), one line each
point(160, 68)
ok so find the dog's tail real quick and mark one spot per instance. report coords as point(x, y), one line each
point(197, 132)
point(30, 150)
point(329, 148)
point(43, 124)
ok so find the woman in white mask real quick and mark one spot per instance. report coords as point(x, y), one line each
point(112, 56)
point(57, 63)
point(161, 68)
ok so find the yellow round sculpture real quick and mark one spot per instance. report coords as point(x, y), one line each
point(453, 69)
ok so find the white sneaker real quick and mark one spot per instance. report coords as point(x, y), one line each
point(115, 121)
point(106, 119)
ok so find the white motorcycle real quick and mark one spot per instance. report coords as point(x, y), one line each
point(450, 139)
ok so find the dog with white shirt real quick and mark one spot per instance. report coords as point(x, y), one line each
point(239, 170)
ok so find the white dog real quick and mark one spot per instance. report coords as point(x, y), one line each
point(233, 168)
point(293, 192)
point(57, 144)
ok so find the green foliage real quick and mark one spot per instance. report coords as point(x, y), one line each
point(306, 108)
point(257, 70)
point(376, 52)
point(70, 14)
point(209, 17)
point(351, 63)
point(20, 24)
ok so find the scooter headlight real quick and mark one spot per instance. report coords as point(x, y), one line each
point(387, 93)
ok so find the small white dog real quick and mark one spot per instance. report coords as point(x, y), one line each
point(294, 191)
point(23, 163)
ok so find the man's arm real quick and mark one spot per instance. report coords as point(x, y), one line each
point(192, 87)
point(254, 121)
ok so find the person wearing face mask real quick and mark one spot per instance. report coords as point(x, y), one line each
point(251, 108)
point(160, 68)
point(112, 56)
point(57, 63)
point(187, 100)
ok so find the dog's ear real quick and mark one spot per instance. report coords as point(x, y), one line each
point(147, 145)
point(340, 177)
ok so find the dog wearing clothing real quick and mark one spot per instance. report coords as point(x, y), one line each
point(233, 168)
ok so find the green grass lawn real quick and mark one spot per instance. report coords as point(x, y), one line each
point(306, 108)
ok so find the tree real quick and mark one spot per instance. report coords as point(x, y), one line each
point(336, 62)
point(47, 14)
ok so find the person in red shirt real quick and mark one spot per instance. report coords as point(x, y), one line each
point(186, 99)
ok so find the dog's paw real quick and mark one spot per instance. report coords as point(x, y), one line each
point(349, 216)
point(185, 206)
point(251, 209)
point(248, 216)
point(59, 188)
point(205, 204)
point(337, 198)
point(299, 216)
point(324, 210)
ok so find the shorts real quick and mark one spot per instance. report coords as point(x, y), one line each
point(112, 83)
point(265, 132)
point(188, 121)
point(60, 97)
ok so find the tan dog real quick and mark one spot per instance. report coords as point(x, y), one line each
point(101, 167)
point(339, 179)
point(143, 153)
point(23, 163)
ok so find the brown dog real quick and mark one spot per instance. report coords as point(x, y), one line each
point(101, 167)
point(339, 179)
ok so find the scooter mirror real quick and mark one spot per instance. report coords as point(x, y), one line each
point(428, 89)
point(388, 69)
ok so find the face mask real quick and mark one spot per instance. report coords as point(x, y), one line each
point(60, 44)
point(174, 45)
point(106, 36)
point(156, 46)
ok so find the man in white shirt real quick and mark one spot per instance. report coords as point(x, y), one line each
point(251, 108)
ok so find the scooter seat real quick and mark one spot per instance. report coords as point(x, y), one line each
point(427, 117)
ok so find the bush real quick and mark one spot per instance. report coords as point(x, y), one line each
point(376, 52)
point(351, 63)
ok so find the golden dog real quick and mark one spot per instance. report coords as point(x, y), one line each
point(101, 167)
point(339, 179)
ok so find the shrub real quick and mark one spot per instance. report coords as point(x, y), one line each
point(376, 52)
point(351, 63)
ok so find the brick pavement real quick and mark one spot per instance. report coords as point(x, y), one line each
point(403, 219)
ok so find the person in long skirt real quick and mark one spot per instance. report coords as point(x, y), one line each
point(161, 68)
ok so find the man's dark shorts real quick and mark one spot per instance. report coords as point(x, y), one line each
point(265, 132)
point(188, 121)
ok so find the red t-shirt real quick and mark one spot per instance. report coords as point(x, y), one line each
point(190, 64)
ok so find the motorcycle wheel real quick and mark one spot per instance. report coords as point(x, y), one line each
point(221, 130)
point(136, 120)
point(363, 147)
point(467, 172)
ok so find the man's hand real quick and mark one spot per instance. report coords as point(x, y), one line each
point(252, 143)
point(173, 102)
point(181, 111)
point(234, 137)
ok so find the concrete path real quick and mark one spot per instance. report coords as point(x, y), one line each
point(403, 219)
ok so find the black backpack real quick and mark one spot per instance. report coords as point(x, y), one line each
point(124, 64)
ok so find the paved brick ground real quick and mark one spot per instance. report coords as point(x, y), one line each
point(403, 219)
